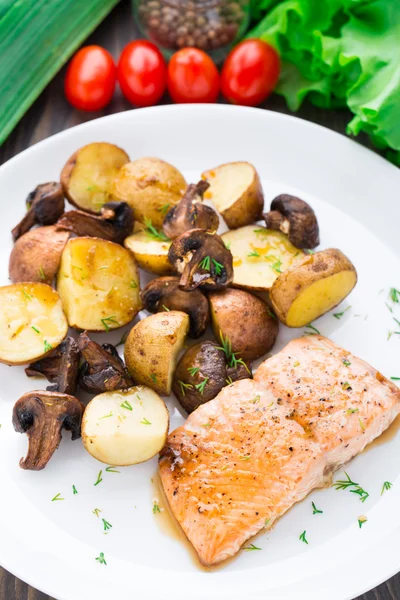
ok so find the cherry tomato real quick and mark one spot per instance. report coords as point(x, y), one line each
point(192, 77)
point(250, 73)
point(142, 73)
point(90, 79)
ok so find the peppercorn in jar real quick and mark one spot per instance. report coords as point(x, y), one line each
point(212, 25)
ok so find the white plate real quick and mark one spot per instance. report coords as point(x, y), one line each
point(53, 545)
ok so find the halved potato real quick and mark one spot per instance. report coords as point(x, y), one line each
point(152, 348)
point(98, 282)
point(151, 187)
point(125, 427)
point(36, 255)
point(88, 175)
point(245, 320)
point(259, 256)
point(150, 254)
point(32, 322)
point(309, 289)
point(235, 190)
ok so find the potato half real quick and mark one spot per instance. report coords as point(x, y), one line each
point(36, 255)
point(98, 282)
point(151, 187)
point(32, 322)
point(150, 254)
point(125, 427)
point(235, 190)
point(259, 256)
point(88, 176)
point(152, 349)
point(244, 319)
point(309, 289)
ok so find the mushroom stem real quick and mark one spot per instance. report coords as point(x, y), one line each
point(45, 206)
point(190, 213)
point(42, 415)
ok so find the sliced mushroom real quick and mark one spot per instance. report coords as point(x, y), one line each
point(164, 293)
point(102, 370)
point(45, 206)
point(203, 260)
point(42, 415)
point(295, 218)
point(61, 367)
point(190, 213)
point(114, 224)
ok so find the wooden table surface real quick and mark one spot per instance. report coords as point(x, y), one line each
point(51, 114)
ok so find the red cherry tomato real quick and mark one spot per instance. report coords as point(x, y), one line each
point(142, 73)
point(192, 77)
point(90, 79)
point(250, 73)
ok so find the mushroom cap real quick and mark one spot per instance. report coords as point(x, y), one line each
point(164, 293)
point(60, 367)
point(42, 415)
point(45, 206)
point(203, 260)
point(190, 213)
point(296, 218)
point(114, 223)
point(103, 370)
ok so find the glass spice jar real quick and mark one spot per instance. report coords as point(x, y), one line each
point(212, 25)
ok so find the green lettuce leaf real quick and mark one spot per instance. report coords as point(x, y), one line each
point(340, 53)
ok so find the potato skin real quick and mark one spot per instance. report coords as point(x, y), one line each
point(36, 255)
point(296, 279)
point(247, 209)
point(246, 320)
point(149, 185)
point(92, 166)
point(150, 255)
point(151, 349)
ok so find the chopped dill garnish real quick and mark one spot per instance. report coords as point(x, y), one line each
point(302, 537)
point(152, 232)
point(394, 295)
point(35, 329)
point(386, 486)
point(253, 254)
point(346, 362)
point(193, 370)
point(101, 559)
point(123, 339)
point(41, 274)
point(106, 524)
point(153, 378)
point(205, 263)
point(27, 296)
point(96, 511)
point(108, 320)
point(126, 405)
point(344, 484)
point(340, 315)
point(251, 547)
point(57, 497)
point(112, 469)
point(134, 285)
point(230, 356)
point(47, 346)
point(165, 308)
point(164, 209)
point(184, 386)
point(316, 511)
point(144, 421)
point(361, 521)
point(313, 330)
point(200, 386)
point(74, 490)
point(156, 507)
point(99, 478)
point(351, 411)
point(106, 416)
point(218, 267)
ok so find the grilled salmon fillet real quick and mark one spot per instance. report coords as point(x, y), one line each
point(243, 459)
point(340, 400)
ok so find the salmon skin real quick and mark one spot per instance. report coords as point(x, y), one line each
point(243, 459)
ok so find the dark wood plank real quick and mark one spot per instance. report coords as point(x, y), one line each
point(51, 114)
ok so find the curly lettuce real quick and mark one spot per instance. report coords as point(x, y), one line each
point(340, 53)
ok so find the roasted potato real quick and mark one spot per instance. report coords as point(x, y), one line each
point(152, 348)
point(201, 374)
point(245, 320)
point(88, 176)
point(151, 254)
point(36, 255)
point(125, 427)
point(151, 187)
point(313, 286)
point(235, 190)
point(32, 322)
point(259, 256)
point(98, 283)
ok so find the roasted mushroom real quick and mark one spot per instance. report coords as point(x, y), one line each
point(163, 293)
point(102, 370)
point(61, 367)
point(114, 223)
point(203, 260)
point(42, 415)
point(36, 255)
point(295, 218)
point(45, 206)
point(202, 372)
point(190, 213)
